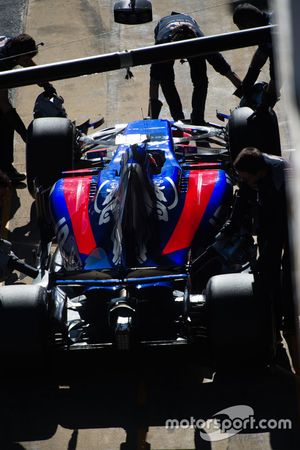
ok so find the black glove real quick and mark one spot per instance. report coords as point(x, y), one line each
point(239, 92)
point(17, 124)
point(250, 79)
point(271, 95)
point(49, 89)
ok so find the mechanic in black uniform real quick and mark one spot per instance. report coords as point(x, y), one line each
point(176, 27)
point(262, 182)
point(6, 192)
point(248, 16)
point(14, 51)
point(5, 188)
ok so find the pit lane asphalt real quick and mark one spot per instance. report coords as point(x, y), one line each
point(99, 415)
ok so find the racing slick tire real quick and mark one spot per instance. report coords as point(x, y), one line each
point(248, 128)
point(49, 150)
point(240, 322)
point(23, 323)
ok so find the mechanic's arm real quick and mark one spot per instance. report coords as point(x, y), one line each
point(272, 91)
point(222, 67)
point(245, 198)
point(234, 78)
point(242, 210)
point(258, 61)
point(28, 62)
point(11, 114)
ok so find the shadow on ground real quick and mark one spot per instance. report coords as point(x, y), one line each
point(146, 397)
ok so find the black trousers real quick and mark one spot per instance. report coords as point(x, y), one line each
point(6, 143)
point(164, 73)
point(276, 273)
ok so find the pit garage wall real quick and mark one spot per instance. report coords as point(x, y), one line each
point(288, 17)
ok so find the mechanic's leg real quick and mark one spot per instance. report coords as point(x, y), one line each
point(271, 296)
point(200, 82)
point(270, 276)
point(155, 104)
point(6, 144)
point(290, 322)
point(164, 72)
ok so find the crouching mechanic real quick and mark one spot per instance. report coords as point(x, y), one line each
point(262, 195)
point(248, 16)
point(14, 51)
point(177, 27)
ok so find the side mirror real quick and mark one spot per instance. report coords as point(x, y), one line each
point(133, 12)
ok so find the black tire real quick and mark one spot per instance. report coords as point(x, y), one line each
point(23, 322)
point(49, 150)
point(240, 322)
point(247, 128)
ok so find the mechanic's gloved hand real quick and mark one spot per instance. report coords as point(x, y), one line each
point(262, 109)
point(256, 267)
point(49, 89)
point(271, 95)
point(269, 98)
point(239, 92)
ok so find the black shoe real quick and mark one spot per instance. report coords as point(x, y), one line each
point(199, 122)
point(14, 175)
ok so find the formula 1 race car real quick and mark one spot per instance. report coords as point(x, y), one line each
point(126, 215)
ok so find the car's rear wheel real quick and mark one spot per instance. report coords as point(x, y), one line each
point(49, 150)
point(247, 128)
point(240, 322)
point(23, 325)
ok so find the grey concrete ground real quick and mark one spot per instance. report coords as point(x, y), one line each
point(124, 405)
point(13, 16)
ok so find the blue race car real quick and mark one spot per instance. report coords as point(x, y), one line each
point(125, 216)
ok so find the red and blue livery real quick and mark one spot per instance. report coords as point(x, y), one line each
point(143, 209)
